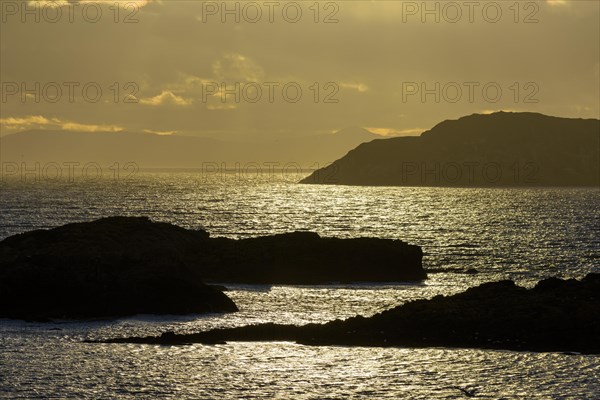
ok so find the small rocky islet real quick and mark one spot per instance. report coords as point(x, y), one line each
point(555, 315)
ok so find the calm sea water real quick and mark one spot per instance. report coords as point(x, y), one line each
point(523, 234)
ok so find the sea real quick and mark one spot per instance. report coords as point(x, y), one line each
point(524, 234)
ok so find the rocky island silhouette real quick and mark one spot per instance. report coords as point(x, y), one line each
point(502, 149)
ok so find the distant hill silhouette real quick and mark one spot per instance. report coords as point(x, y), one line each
point(175, 151)
point(500, 149)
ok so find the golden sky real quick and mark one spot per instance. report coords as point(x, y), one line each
point(395, 67)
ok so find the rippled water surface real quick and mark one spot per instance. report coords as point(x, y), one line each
point(524, 234)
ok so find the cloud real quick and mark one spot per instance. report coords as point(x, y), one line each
point(166, 97)
point(12, 124)
point(191, 80)
point(237, 68)
point(160, 133)
point(502, 110)
point(26, 121)
point(359, 87)
point(48, 3)
point(221, 106)
point(74, 126)
point(396, 132)
point(121, 3)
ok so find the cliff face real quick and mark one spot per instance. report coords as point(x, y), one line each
point(126, 265)
point(500, 149)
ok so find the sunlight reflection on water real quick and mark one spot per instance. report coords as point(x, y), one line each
point(518, 233)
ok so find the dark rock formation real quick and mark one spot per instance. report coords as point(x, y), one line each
point(556, 315)
point(121, 265)
point(110, 267)
point(305, 258)
point(500, 149)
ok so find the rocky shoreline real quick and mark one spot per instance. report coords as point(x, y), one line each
point(555, 315)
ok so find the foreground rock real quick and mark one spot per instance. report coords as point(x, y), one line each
point(122, 265)
point(556, 315)
point(110, 267)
